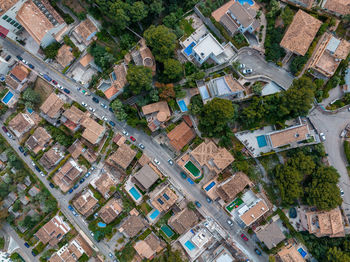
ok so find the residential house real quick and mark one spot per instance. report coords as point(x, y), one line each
point(103, 184)
point(66, 177)
point(236, 17)
point(78, 148)
point(156, 114)
point(10, 199)
point(142, 56)
point(252, 209)
point(228, 189)
point(290, 254)
point(52, 157)
point(110, 210)
point(33, 191)
point(86, 60)
point(119, 139)
point(144, 160)
point(300, 33)
point(24, 200)
point(270, 234)
point(132, 226)
point(181, 135)
point(145, 177)
point(225, 87)
point(23, 123)
point(149, 247)
point(302, 3)
point(183, 221)
point(337, 7)
point(17, 77)
point(41, 21)
point(163, 198)
point(53, 231)
point(328, 55)
point(122, 157)
point(118, 80)
point(65, 56)
point(85, 31)
point(85, 203)
point(38, 140)
point(73, 117)
point(52, 107)
point(72, 251)
point(325, 223)
point(93, 132)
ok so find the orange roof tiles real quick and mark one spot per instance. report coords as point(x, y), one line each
point(52, 106)
point(53, 231)
point(181, 135)
point(6, 5)
point(122, 157)
point(289, 135)
point(341, 7)
point(86, 60)
point(93, 131)
point(64, 55)
point(254, 213)
point(228, 189)
point(85, 203)
point(290, 254)
point(20, 72)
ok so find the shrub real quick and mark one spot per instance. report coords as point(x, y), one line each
point(347, 150)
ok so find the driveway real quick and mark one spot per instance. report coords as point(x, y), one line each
point(253, 59)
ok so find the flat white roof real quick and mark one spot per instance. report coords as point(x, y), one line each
point(208, 45)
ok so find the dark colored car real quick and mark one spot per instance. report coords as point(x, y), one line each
point(244, 237)
point(208, 200)
point(76, 186)
point(25, 153)
point(8, 58)
point(70, 191)
point(47, 77)
point(95, 99)
point(183, 175)
point(37, 169)
point(33, 253)
point(54, 81)
point(199, 205)
point(111, 123)
point(66, 90)
point(70, 208)
point(111, 110)
point(4, 128)
point(26, 245)
point(258, 251)
point(19, 57)
point(51, 185)
point(82, 180)
point(31, 66)
point(133, 139)
point(21, 149)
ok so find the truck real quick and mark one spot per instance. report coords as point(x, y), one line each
point(47, 77)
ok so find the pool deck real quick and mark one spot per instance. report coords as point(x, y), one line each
point(182, 161)
point(128, 185)
point(212, 194)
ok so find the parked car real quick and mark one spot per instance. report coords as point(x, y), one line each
point(247, 71)
point(241, 66)
point(66, 91)
point(110, 255)
point(183, 175)
point(87, 174)
point(258, 252)
point(156, 161)
point(95, 99)
point(26, 245)
point(104, 118)
point(9, 135)
point(54, 82)
point(244, 237)
point(171, 162)
point(343, 133)
point(33, 253)
point(76, 186)
point(33, 164)
point(322, 137)
point(91, 109)
point(70, 191)
point(21, 149)
point(125, 133)
point(229, 222)
point(51, 185)
point(8, 58)
point(82, 180)
point(209, 200)
point(24, 61)
point(133, 139)
point(103, 105)
point(4, 128)
point(70, 207)
point(341, 192)
point(199, 205)
point(31, 66)
point(78, 88)
point(141, 146)
point(84, 104)
point(19, 58)
point(111, 109)
point(47, 77)
point(74, 213)
point(111, 123)
point(92, 168)
point(37, 168)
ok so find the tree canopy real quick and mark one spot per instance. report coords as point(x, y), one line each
point(139, 79)
point(173, 70)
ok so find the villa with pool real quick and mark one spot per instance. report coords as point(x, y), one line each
point(204, 159)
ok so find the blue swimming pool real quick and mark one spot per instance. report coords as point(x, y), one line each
point(208, 187)
point(29, 110)
point(302, 252)
point(188, 49)
point(261, 141)
point(7, 97)
point(100, 224)
point(189, 245)
point(155, 213)
point(182, 105)
point(135, 193)
point(250, 2)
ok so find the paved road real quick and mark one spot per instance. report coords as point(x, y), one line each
point(152, 150)
point(331, 126)
point(252, 59)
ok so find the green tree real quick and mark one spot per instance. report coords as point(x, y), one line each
point(31, 98)
point(118, 109)
point(287, 16)
point(162, 41)
point(196, 105)
point(173, 70)
point(156, 7)
point(335, 254)
point(257, 88)
point(139, 79)
point(138, 11)
point(51, 50)
point(153, 94)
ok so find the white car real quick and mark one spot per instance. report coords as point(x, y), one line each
point(92, 109)
point(322, 137)
point(33, 164)
point(105, 118)
point(229, 222)
point(156, 161)
point(247, 71)
point(141, 146)
point(125, 133)
point(42, 173)
point(341, 192)
point(84, 104)
point(171, 162)
point(103, 105)
point(241, 66)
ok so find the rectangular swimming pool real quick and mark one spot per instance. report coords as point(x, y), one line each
point(155, 213)
point(192, 168)
point(135, 193)
point(302, 252)
point(208, 187)
point(261, 141)
point(188, 49)
point(167, 231)
point(7, 97)
point(189, 245)
point(182, 105)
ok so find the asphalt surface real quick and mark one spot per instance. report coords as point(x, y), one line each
point(152, 149)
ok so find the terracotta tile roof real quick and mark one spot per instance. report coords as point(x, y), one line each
point(290, 254)
point(146, 57)
point(93, 131)
point(181, 135)
point(6, 5)
point(67, 175)
point(74, 114)
point(341, 7)
point(161, 108)
point(37, 141)
point(64, 56)
point(163, 198)
point(215, 158)
point(183, 221)
point(221, 11)
point(271, 235)
point(11, 82)
point(119, 139)
point(86, 59)
point(53, 231)
point(52, 106)
point(86, 30)
point(144, 160)
point(228, 189)
point(20, 72)
point(254, 213)
point(122, 157)
point(118, 79)
point(110, 210)
point(21, 124)
point(233, 84)
point(148, 247)
point(85, 203)
point(103, 184)
point(245, 15)
point(343, 49)
point(289, 135)
point(145, 177)
point(300, 33)
point(36, 23)
point(51, 157)
point(132, 226)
